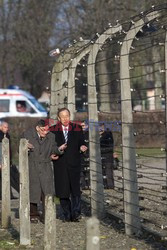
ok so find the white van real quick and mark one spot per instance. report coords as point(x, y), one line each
point(19, 103)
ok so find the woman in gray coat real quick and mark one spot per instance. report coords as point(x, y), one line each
point(42, 149)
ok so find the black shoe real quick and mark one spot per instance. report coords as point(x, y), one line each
point(42, 219)
point(66, 220)
point(13, 197)
point(76, 218)
point(110, 187)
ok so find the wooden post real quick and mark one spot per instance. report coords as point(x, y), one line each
point(50, 224)
point(24, 194)
point(131, 197)
point(6, 209)
point(92, 234)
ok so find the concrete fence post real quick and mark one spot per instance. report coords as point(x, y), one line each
point(50, 224)
point(157, 77)
point(71, 96)
point(60, 76)
point(96, 177)
point(92, 234)
point(24, 209)
point(131, 196)
point(166, 98)
point(6, 209)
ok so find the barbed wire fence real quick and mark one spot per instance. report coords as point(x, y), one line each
point(125, 76)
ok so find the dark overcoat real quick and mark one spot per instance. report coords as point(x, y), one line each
point(40, 167)
point(107, 145)
point(68, 167)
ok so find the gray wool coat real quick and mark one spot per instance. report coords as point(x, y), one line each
point(40, 167)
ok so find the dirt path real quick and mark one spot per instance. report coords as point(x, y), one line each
point(71, 235)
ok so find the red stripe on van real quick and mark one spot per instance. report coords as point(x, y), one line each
point(6, 94)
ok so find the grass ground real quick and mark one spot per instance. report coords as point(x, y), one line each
point(145, 152)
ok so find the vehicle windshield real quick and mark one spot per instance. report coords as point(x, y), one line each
point(37, 105)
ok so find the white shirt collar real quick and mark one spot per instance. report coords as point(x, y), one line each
point(38, 134)
point(65, 127)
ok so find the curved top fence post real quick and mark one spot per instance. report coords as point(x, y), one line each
point(71, 103)
point(131, 199)
point(97, 188)
point(59, 80)
point(91, 63)
point(59, 76)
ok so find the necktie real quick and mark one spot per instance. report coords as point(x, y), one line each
point(66, 135)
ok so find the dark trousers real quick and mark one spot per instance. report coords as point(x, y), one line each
point(14, 180)
point(34, 208)
point(43, 205)
point(71, 207)
point(110, 175)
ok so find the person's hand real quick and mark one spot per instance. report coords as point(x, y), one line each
point(54, 157)
point(83, 148)
point(115, 155)
point(30, 146)
point(63, 146)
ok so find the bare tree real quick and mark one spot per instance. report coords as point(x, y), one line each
point(6, 12)
point(26, 30)
point(30, 28)
point(34, 24)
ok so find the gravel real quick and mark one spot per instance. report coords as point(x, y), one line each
point(72, 235)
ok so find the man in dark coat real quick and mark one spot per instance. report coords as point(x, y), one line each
point(14, 174)
point(68, 167)
point(42, 149)
point(107, 147)
point(4, 128)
